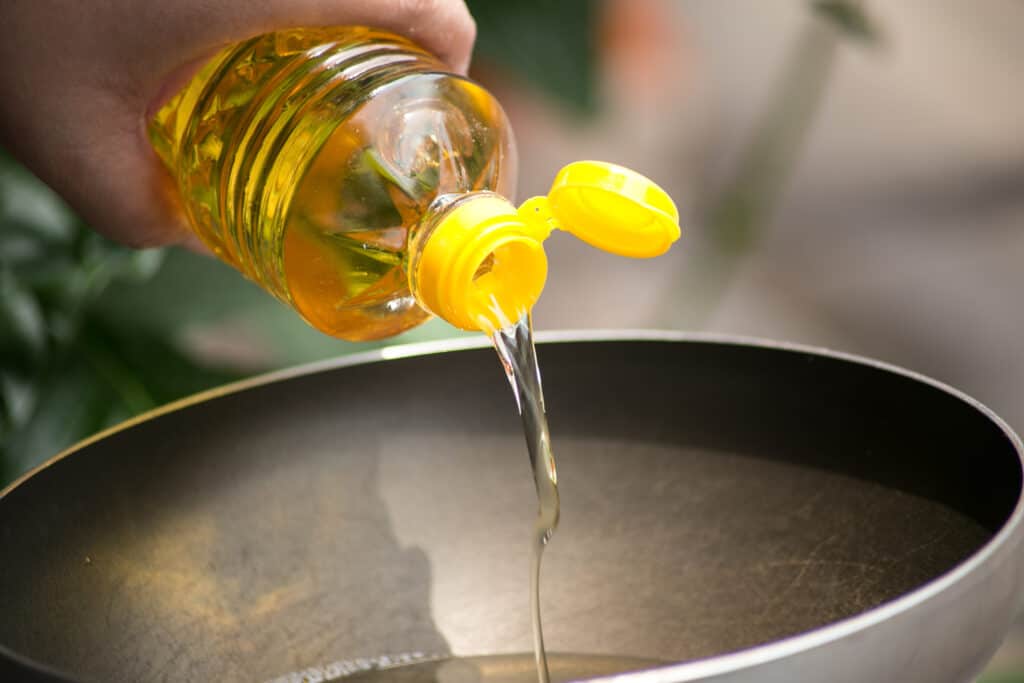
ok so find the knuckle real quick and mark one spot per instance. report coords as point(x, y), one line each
point(468, 24)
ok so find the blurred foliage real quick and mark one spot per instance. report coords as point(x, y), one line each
point(850, 18)
point(743, 207)
point(66, 370)
point(550, 44)
point(771, 154)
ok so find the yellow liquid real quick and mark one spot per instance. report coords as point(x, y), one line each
point(304, 158)
point(502, 669)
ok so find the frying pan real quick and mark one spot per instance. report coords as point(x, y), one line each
point(741, 511)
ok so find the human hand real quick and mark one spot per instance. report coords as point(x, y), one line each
point(80, 80)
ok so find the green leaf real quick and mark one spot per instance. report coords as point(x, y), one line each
point(142, 265)
point(551, 44)
point(71, 405)
point(27, 201)
point(19, 398)
point(22, 327)
point(850, 18)
point(1002, 678)
point(146, 370)
point(189, 290)
point(108, 376)
point(73, 284)
point(22, 245)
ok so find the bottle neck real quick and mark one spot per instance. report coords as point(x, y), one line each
point(475, 262)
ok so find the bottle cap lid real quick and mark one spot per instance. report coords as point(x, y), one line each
point(483, 264)
point(614, 209)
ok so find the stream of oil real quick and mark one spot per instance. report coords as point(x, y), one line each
point(515, 348)
point(514, 344)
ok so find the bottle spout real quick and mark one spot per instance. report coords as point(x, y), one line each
point(483, 266)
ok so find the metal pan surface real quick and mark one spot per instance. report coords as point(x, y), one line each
point(744, 511)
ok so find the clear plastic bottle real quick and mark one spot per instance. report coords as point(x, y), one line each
point(321, 163)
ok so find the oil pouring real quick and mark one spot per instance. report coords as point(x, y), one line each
point(349, 174)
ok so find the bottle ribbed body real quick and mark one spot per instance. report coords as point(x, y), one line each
point(305, 157)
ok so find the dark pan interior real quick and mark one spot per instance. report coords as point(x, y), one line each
point(715, 496)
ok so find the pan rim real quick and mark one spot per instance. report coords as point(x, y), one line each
point(718, 665)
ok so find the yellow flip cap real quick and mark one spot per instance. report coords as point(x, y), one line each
point(483, 265)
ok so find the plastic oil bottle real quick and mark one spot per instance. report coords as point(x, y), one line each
point(347, 172)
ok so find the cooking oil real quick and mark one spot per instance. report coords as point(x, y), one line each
point(420, 668)
point(518, 355)
point(501, 669)
point(304, 157)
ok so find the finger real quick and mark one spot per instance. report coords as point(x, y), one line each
point(122, 191)
point(444, 27)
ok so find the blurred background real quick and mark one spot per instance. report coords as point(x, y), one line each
point(850, 176)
